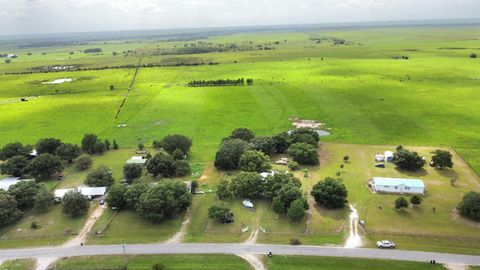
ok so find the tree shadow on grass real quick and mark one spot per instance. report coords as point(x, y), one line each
point(417, 173)
point(447, 173)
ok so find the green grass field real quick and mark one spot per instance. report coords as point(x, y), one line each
point(236, 263)
point(322, 263)
point(207, 262)
point(26, 264)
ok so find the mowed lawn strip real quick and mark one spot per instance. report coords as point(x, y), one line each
point(207, 262)
point(329, 263)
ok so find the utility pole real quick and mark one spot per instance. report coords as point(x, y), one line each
point(365, 221)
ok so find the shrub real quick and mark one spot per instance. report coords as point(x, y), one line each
point(330, 193)
point(416, 200)
point(158, 266)
point(83, 162)
point(43, 200)
point(295, 242)
point(221, 213)
point(223, 190)
point(473, 55)
point(292, 165)
point(401, 203)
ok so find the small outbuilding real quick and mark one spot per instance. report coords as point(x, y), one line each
point(388, 156)
point(379, 157)
point(397, 185)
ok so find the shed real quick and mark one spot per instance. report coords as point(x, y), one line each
point(7, 182)
point(89, 192)
point(388, 156)
point(398, 185)
point(379, 157)
point(137, 160)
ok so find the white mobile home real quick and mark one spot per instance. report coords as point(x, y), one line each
point(7, 182)
point(137, 160)
point(89, 192)
point(398, 185)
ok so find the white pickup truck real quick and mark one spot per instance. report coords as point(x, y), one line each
point(385, 244)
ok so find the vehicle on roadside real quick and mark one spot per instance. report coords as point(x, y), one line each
point(385, 244)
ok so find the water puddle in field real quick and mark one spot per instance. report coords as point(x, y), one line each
point(354, 239)
point(59, 81)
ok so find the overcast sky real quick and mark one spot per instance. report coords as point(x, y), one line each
point(45, 16)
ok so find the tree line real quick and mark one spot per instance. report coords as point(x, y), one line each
point(220, 82)
point(129, 66)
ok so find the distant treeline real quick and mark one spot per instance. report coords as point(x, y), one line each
point(50, 44)
point(79, 68)
point(220, 82)
point(93, 50)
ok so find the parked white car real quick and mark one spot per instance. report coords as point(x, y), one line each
point(385, 244)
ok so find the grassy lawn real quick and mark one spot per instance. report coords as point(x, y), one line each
point(128, 227)
point(329, 263)
point(207, 262)
point(26, 264)
point(444, 229)
point(53, 227)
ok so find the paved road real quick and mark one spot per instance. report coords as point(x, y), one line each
point(238, 249)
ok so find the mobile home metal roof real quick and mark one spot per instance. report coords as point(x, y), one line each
point(385, 181)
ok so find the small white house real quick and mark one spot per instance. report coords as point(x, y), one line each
point(388, 156)
point(137, 160)
point(398, 185)
point(89, 192)
point(264, 175)
point(7, 182)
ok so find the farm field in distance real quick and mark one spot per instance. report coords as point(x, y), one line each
point(378, 88)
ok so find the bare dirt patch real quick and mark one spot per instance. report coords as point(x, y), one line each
point(302, 123)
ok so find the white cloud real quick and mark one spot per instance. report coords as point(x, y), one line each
point(90, 15)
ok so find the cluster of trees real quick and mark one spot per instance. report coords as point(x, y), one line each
point(242, 149)
point(172, 160)
point(412, 161)
point(283, 189)
point(20, 160)
point(91, 144)
point(155, 203)
point(220, 82)
point(93, 50)
point(23, 196)
point(48, 69)
point(402, 202)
